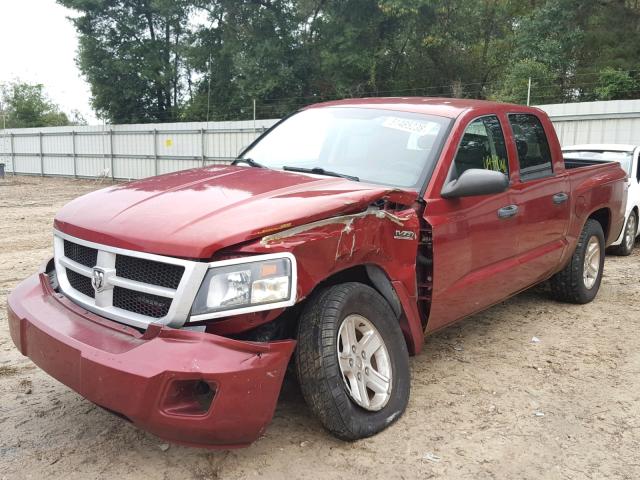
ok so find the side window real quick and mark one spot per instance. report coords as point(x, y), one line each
point(638, 167)
point(482, 146)
point(534, 155)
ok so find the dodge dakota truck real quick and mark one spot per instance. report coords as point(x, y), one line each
point(331, 245)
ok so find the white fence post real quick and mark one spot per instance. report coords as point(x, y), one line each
point(155, 152)
point(41, 155)
point(13, 154)
point(202, 151)
point(113, 175)
point(73, 154)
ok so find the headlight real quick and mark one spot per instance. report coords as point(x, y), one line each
point(232, 287)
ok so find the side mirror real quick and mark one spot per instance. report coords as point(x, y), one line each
point(476, 181)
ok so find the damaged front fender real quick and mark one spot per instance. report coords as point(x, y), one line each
point(378, 236)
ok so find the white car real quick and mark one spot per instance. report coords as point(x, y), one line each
point(627, 156)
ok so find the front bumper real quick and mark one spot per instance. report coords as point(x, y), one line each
point(151, 378)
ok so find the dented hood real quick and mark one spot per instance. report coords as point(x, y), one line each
point(194, 213)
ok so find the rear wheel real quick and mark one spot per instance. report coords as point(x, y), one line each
point(352, 361)
point(629, 238)
point(579, 281)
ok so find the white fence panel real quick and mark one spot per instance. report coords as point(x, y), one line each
point(54, 143)
point(168, 166)
point(127, 143)
point(26, 144)
point(58, 166)
point(132, 167)
point(96, 143)
point(90, 166)
point(179, 144)
point(125, 151)
point(616, 121)
point(28, 164)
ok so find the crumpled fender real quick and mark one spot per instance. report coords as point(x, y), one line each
point(376, 236)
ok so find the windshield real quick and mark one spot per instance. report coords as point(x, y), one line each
point(378, 146)
point(624, 158)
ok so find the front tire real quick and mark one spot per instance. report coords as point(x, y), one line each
point(352, 361)
point(579, 280)
point(629, 238)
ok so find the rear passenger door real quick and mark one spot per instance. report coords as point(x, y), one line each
point(542, 198)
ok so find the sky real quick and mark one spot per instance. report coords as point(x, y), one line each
point(39, 45)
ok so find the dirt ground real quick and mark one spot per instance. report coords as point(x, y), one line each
point(488, 401)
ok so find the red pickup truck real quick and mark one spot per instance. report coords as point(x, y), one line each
point(334, 242)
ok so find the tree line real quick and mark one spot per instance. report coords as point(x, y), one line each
point(24, 105)
point(188, 60)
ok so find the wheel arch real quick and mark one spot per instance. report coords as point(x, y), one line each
point(603, 217)
point(394, 293)
point(635, 210)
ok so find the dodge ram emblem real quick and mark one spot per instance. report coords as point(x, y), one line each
point(97, 280)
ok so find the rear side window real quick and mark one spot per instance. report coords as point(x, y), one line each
point(482, 146)
point(534, 155)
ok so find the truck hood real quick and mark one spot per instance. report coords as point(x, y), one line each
point(194, 213)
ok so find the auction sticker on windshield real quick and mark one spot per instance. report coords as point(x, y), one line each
point(411, 126)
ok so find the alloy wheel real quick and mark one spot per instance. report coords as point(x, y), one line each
point(364, 362)
point(591, 266)
point(630, 232)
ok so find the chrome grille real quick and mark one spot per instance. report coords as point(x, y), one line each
point(125, 285)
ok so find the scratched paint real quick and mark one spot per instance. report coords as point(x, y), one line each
point(346, 220)
point(328, 246)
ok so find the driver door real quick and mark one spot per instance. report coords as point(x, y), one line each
point(474, 238)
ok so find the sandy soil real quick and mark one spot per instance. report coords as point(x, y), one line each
point(487, 402)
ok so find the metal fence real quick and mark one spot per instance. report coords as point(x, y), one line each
point(124, 151)
point(138, 151)
point(616, 121)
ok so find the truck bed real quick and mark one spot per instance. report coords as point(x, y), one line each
point(571, 163)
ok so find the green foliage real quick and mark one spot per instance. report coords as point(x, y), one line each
point(131, 53)
point(551, 35)
point(616, 85)
point(545, 86)
point(165, 60)
point(247, 51)
point(25, 105)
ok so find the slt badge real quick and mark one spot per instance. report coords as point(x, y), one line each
point(404, 235)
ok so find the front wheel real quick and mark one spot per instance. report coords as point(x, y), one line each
point(352, 361)
point(629, 238)
point(579, 281)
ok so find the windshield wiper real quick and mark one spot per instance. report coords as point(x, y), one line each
point(249, 161)
point(320, 171)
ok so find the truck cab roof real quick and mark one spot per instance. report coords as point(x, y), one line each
point(443, 107)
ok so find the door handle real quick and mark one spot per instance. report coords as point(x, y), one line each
point(559, 198)
point(508, 211)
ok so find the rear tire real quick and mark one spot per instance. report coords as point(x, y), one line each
point(328, 361)
point(579, 280)
point(629, 238)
